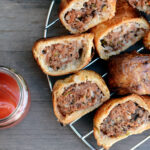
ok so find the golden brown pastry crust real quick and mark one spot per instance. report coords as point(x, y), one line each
point(67, 4)
point(103, 112)
point(124, 14)
point(146, 40)
point(86, 55)
point(129, 73)
point(81, 76)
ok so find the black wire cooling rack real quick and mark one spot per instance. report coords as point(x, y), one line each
point(83, 127)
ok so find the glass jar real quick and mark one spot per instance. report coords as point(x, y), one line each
point(23, 103)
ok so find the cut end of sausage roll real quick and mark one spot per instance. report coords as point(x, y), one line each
point(80, 15)
point(141, 5)
point(129, 73)
point(119, 118)
point(78, 95)
point(120, 32)
point(63, 55)
point(146, 40)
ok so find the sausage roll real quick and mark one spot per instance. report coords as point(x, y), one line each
point(129, 73)
point(120, 32)
point(146, 40)
point(63, 55)
point(77, 95)
point(119, 118)
point(80, 15)
point(141, 5)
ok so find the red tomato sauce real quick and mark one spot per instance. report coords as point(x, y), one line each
point(9, 95)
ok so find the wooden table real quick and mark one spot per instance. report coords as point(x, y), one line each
point(21, 23)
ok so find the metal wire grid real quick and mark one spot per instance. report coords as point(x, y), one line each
point(82, 137)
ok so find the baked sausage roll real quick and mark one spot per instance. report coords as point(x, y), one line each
point(141, 5)
point(119, 118)
point(80, 15)
point(63, 55)
point(129, 73)
point(78, 95)
point(120, 32)
point(146, 40)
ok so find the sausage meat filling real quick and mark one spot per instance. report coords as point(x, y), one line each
point(143, 5)
point(121, 36)
point(91, 9)
point(124, 117)
point(59, 55)
point(79, 96)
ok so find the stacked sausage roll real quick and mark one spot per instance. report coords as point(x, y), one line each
point(129, 73)
point(80, 15)
point(120, 32)
point(63, 55)
point(78, 94)
point(121, 117)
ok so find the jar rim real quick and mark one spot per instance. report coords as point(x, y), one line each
point(15, 76)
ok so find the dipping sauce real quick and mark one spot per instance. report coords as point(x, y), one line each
point(9, 95)
point(14, 98)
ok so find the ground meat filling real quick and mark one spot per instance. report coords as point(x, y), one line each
point(122, 36)
point(79, 18)
point(59, 55)
point(79, 96)
point(124, 117)
point(143, 5)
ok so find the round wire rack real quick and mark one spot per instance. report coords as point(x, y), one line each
point(135, 142)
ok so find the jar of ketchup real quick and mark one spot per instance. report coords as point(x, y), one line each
point(14, 98)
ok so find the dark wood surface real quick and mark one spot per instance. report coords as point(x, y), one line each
point(21, 23)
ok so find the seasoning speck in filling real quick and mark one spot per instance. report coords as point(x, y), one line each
point(79, 96)
point(121, 36)
point(59, 55)
point(124, 117)
point(43, 51)
point(79, 18)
